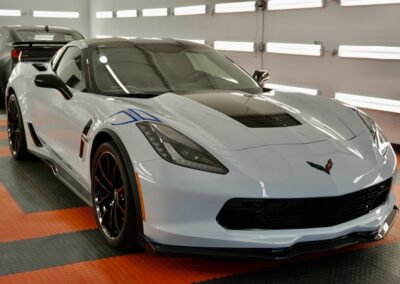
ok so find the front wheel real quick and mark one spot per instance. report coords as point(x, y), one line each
point(112, 197)
point(16, 131)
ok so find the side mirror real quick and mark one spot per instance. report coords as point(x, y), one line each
point(50, 81)
point(261, 76)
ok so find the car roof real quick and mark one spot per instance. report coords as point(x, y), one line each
point(85, 43)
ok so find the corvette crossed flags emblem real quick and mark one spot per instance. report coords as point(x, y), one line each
point(327, 169)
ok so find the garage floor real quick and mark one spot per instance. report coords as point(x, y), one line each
point(48, 235)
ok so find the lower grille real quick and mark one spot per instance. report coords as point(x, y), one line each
point(297, 213)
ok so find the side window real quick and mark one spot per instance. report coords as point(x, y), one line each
point(69, 69)
point(56, 58)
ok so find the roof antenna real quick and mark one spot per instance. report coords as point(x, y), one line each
point(46, 28)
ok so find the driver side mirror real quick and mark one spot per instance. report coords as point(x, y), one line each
point(261, 76)
point(50, 81)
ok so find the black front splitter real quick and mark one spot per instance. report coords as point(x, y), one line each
point(278, 253)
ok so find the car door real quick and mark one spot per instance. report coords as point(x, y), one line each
point(54, 115)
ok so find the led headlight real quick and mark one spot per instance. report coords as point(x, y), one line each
point(381, 141)
point(178, 149)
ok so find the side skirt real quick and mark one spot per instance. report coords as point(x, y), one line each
point(68, 180)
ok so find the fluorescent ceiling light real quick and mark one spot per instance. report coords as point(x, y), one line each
point(126, 13)
point(294, 4)
point(55, 14)
point(367, 2)
point(44, 37)
point(104, 15)
point(155, 12)
point(370, 102)
point(234, 46)
point(152, 38)
point(373, 52)
point(190, 10)
point(201, 41)
point(128, 37)
point(294, 48)
point(248, 6)
point(103, 36)
point(292, 89)
point(10, 13)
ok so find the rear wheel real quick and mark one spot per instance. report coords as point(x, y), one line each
point(112, 197)
point(15, 129)
point(2, 98)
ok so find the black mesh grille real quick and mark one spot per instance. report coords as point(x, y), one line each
point(272, 120)
point(240, 214)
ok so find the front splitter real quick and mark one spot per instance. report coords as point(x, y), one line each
point(277, 253)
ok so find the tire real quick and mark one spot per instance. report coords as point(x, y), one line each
point(16, 131)
point(2, 98)
point(112, 198)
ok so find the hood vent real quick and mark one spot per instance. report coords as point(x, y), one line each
point(266, 121)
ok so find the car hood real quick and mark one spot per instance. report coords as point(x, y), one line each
point(221, 119)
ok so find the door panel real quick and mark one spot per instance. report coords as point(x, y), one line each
point(54, 116)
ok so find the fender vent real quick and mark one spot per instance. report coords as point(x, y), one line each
point(34, 136)
point(83, 137)
point(265, 121)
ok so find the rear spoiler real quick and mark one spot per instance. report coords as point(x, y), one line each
point(32, 43)
point(35, 50)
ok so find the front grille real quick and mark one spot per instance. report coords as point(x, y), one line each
point(264, 121)
point(297, 213)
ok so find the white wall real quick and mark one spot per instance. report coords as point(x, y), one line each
point(27, 6)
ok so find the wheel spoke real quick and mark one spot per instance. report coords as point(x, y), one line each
point(103, 199)
point(121, 209)
point(109, 168)
point(102, 185)
point(111, 223)
point(116, 219)
point(114, 174)
point(104, 214)
point(104, 175)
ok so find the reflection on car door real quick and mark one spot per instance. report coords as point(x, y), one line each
point(53, 116)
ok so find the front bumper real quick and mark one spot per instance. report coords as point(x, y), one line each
point(279, 253)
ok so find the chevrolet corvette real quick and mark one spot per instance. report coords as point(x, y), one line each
point(178, 150)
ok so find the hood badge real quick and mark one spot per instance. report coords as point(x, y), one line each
point(327, 169)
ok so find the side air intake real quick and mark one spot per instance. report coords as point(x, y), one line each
point(34, 136)
point(266, 121)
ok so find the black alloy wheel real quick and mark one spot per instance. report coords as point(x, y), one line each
point(112, 197)
point(15, 130)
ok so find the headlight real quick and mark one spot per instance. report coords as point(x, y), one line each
point(179, 149)
point(381, 141)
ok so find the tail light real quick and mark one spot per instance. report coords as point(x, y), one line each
point(15, 54)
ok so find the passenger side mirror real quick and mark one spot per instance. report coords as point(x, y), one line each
point(261, 76)
point(51, 81)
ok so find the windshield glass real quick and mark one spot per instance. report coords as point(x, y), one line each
point(42, 35)
point(160, 68)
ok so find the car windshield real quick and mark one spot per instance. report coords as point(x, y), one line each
point(42, 35)
point(159, 68)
